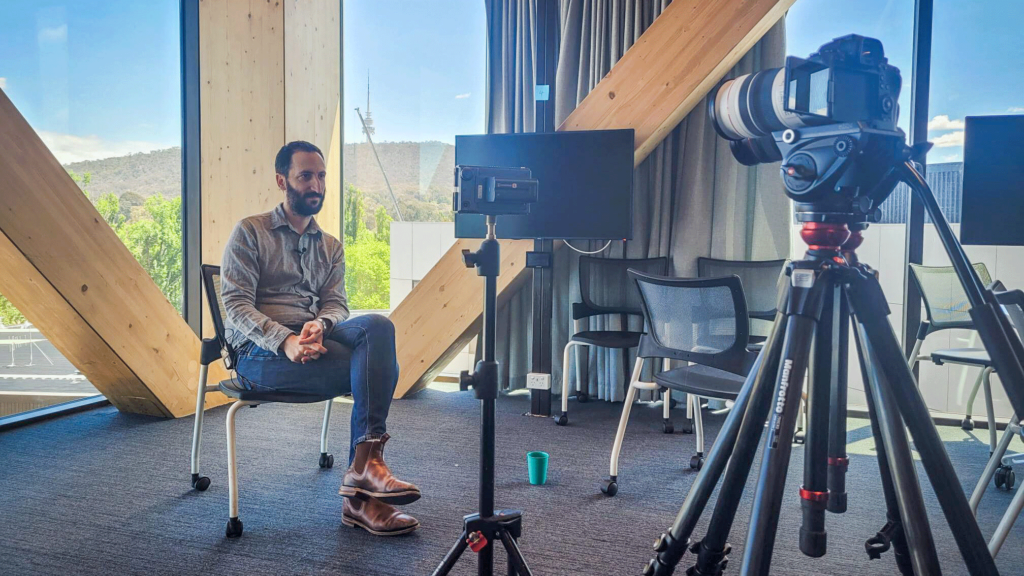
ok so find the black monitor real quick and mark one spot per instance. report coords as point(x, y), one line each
point(993, 197)
point(585, 183)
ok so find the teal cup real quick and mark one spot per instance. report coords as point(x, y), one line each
point(538, 465)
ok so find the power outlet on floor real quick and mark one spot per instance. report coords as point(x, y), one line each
point(538, 381)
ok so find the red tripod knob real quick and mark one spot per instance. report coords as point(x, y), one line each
point(476, 541)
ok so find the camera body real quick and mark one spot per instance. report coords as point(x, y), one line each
point(847, 80)
point(494, 190)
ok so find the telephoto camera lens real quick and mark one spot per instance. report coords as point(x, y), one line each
point(747, 109)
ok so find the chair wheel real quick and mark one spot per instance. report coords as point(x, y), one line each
point(688, 427)
point(609, 487)
point(696, 462)
point(798, 438)
point(562, 419)
point(1011, 478)
point(1000, 477)
point(667, 427)
point(326, 460)
point(200, 483)
point(967, 423)
point(582, 397)
point(672, 403)
point(234, 529)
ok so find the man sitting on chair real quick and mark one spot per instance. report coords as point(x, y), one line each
point(283, 287)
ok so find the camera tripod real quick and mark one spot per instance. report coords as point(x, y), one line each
point(822, 295)
point(482, 529)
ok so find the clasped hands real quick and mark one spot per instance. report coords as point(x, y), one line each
point(306, 346)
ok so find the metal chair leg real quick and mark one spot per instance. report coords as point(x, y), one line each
point(989, 406)
point(1006, 523)
point(200, 483)
point(631, 397)
point(970, 400)
point(234, 528)
point(697, 460)
point(994, 462)
point(326, 460)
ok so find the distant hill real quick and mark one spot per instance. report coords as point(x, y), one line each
point(146, 174)
point(420, 174)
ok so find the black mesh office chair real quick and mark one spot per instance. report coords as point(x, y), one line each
point(760, 279)
point(217, 348)
point(700, 321)
point(946, 307)
point(606, 289)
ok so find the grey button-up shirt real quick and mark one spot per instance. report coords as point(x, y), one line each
point(274, 280)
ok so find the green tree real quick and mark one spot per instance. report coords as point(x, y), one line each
point(130, 200)
point(355, 210)
point(368, 272)
point(383, 223)
point(109, 206)
point(155, 241)
point(9, 315)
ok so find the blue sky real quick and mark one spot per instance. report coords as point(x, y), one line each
point(100, 77)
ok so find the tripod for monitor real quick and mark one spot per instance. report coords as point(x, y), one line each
point(822, 295)
point(482, 529)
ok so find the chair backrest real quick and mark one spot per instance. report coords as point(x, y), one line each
point(760, 279)
point(944, 298)
point(701, 320)
point(605, 287)
point(211, 282)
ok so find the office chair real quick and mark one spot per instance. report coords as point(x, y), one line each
point(700, 321)
point(218, 348)
point(999, 464)
point(946, 307)
point(605, 289)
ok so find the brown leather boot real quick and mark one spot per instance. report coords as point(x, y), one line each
point(376, 517)
point(369, 476)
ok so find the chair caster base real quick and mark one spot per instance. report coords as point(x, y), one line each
point(582, 397)
point(1005, 478)
point(326, 460)
point(200, 483)
point(234, 529)
point(610, 487)
point(561, 419)
point(967, 423)
point(697, 461)
point(798, 438)
point(667, 427)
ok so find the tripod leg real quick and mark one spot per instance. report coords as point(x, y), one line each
point(778, 443)
point(837, 458)
point(739, 436)
point(516, 562)
point(452, 556)
point(901, 466)
point(892, 534)
point(814, 492)
point(868, 304)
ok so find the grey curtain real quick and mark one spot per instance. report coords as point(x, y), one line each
point(691, 198)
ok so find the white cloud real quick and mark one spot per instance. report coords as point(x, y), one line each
point(949, 140)
point(3, 83)
point(942, 122)
point(55, 34)
point(70, 148)
point(1013, 109)
point(462, 96)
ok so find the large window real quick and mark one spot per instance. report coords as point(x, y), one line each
point(99, 81)
point(414, 78)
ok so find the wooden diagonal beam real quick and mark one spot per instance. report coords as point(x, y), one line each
point(67, 271)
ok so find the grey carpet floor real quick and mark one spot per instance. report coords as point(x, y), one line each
point(102, 492)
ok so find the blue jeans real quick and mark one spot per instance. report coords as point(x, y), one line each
point(360, 360)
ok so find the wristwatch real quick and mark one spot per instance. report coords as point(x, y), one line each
point(325, 324)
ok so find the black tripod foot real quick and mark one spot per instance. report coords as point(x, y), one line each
point(610, 486)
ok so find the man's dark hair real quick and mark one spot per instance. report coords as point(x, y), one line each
point(283, 162)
